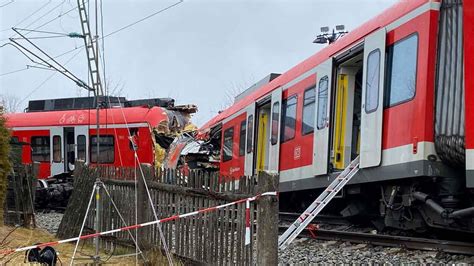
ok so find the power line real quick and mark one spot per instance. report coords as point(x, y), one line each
point(46, 23)
point(145, 18)
point(48, 78)
point(45, 14)
point(14, 71)
point(109, 34)
point(124, 27)
point(39, 37)
point(61, 68)
point(103, 46)
point(11, 1)
point(41, 31)
point(59, 16)
point(29, 16)
point(21, 51)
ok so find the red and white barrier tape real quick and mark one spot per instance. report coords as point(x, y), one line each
point(247, 222)
point(164, 220)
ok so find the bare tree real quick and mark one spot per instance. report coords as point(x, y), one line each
point(234, 89)
point(115, 88)
point(10, 103)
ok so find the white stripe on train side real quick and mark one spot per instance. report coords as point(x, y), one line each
point(469, 159)
point(392, 156)
point(91, 126)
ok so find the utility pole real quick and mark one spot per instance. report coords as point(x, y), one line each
point(92, 46)
point(92, 51)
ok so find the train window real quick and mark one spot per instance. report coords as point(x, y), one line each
point(308, 111)
point(133, 139)
point(40, 149)
point(106, 149)
point(242, 138)
point(401, 70)
point(275, 122)
point(288, 122)
point(57, 149)
point(250, 134)
point(372, 81)
point(81, 147)
point(228, 144)
point(323, 102)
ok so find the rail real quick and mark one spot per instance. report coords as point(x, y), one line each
point(448, 246)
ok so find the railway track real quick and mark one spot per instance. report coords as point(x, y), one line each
point(416, 243)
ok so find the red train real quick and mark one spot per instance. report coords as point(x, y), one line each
point(61, 131)
point(398, 92)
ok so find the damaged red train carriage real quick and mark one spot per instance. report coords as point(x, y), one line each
point(395, 91)
point(66, 131)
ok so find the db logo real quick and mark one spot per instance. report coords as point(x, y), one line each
point(234, 169)
point(297, 153)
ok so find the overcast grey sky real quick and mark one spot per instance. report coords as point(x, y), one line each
point(197, 52)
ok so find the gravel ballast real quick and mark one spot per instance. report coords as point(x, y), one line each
point(310, 251)
point(49, 220)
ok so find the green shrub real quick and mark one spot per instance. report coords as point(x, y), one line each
point(5, 166)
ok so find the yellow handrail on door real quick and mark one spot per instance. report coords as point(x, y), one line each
point(339, 122)
point(261, 141)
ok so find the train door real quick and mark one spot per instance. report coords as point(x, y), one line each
point(249, 143)
point(57, 144)
point(81, 136)
point(274, 144)
point(262, 137)
point(69, 149)
point(347, 112)
point(372, 99)
point(321, 131)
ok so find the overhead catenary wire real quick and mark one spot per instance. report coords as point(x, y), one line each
point(14, 71)
point(41, 31)
point(103, 46)
point(29, 16)
point(124, 27)
point(114, 32)
point(46, 23)
point(63, 70)
point(48, 78)
point(10, 2)
point(40, 37)
point(70, 35)
point(59, 16)
point(34, 21)
point(18, 47)
point(145, 18)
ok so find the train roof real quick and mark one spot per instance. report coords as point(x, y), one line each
point(128, 115)
point(386, 17)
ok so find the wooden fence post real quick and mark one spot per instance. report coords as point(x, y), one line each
point(84, 179)
point(267, 220)
point(30, 179)
point(143, 204)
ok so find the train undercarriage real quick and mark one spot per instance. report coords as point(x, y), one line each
point(418, 205)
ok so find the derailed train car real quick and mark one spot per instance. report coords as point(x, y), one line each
point(396, 91)
point(62, 131)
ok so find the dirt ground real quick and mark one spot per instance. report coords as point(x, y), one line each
point(20, 237)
